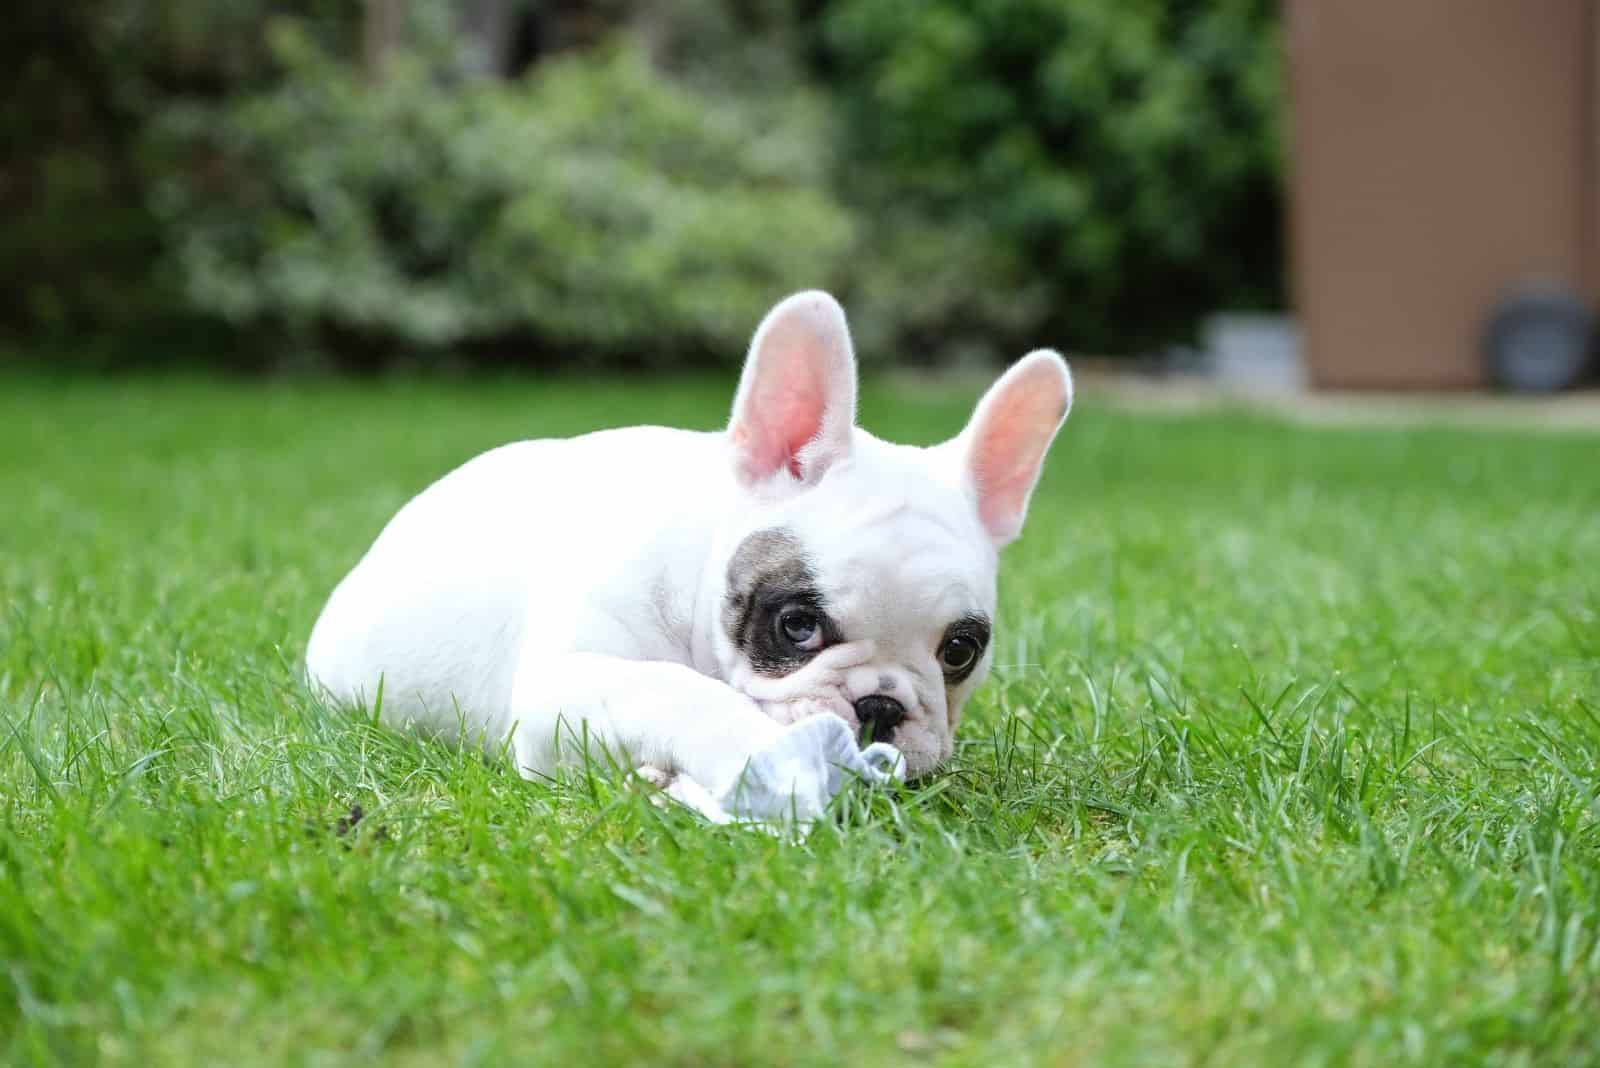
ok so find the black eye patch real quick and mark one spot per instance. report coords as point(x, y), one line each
point(973, 627)
point(768, 574)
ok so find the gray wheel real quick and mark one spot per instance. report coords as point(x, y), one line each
point(1539, 340)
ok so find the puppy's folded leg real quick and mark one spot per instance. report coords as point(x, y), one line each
point(670, 717)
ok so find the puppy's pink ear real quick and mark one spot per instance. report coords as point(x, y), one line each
point(796, 404)
point(1010, 432)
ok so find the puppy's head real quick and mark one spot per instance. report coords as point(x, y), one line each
point(861, 574)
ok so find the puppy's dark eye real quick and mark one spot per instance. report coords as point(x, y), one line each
point(958, 653)
point(800, 628)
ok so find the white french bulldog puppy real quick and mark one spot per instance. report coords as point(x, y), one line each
point(721, 605)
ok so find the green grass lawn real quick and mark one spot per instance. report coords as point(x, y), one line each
point(1289, 757)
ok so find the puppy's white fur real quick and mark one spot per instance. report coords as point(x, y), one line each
point(556, 589)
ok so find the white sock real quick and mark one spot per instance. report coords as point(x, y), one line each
point(793, 780)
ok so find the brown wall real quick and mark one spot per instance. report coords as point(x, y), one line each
point(1442, 150)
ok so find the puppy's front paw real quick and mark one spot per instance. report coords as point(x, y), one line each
point(668, 788)
point(655, 776)
point(658, 782)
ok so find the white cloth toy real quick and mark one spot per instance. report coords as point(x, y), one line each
point(789, 783)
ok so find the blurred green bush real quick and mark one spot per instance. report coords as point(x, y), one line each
point(973, 179)
point(594, 207)
point(1069, 172)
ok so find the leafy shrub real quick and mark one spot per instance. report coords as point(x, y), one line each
point(972, 178)
point(81, 253)
point(1097, 175)
point(591, 208)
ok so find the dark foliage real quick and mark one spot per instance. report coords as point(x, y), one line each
point(627, 184)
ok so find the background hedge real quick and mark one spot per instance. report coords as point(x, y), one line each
point(624, 184)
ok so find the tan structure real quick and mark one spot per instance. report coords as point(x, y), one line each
point(1442, 151)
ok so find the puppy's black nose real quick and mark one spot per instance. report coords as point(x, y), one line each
point(879, 716)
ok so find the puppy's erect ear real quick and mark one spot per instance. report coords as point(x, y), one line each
point(1004, 445)
point(796, 404)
